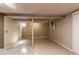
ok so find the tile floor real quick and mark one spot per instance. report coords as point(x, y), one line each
point(41, 47)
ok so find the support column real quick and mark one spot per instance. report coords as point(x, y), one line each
point(32, 33)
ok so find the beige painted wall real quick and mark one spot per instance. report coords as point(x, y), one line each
point(41, 30)
point(63, 31)
point(11, 32)
point(27, 31)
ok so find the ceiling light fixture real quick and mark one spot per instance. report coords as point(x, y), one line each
point(23, 24)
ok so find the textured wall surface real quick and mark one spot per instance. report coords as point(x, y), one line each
point(63, 31)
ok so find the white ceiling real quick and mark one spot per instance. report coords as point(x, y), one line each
point(45, 8)
point(38, 8)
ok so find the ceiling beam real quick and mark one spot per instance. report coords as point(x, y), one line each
point(30, 15)
point(30, 18)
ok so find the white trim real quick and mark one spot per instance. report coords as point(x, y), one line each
point(62, 45)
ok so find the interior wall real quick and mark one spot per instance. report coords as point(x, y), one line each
point(41, 30)
point(63, 31)
point(11, 32)
point(27, 31)
point(1, 31)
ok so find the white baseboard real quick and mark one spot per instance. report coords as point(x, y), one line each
point(62, 45)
